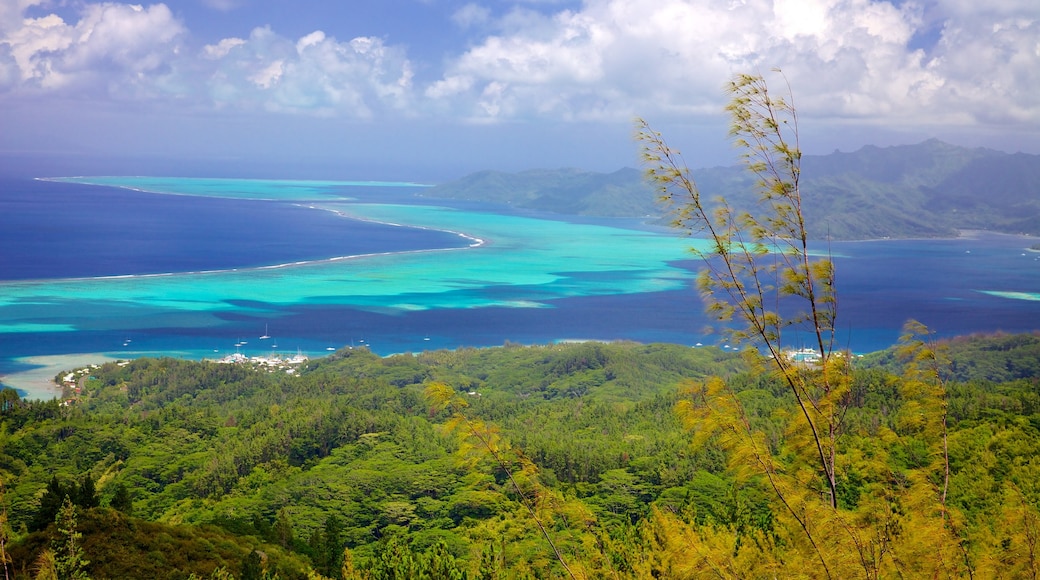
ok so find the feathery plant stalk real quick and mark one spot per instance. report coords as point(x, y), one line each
point(759, 278)
point(444, 397)
point(924, 389)
point(4, 532)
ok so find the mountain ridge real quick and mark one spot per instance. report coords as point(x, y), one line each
point(930, 189)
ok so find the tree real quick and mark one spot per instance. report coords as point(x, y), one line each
point(50, 502)
point(395, 562)
point(69, 559)
point(483, 438)
point(252, 567)
point(9, 399)
point(5, 533)
point(760, 279)
point(217, 574)
point(440, 564)
point(347, 570)
point(121, 500)
point(283, 530)
point(45, 567)
point(86, 493)
point(331, 549)
point(759, 276)
point(490, 564)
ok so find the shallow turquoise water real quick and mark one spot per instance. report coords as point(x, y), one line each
point(270, 189)
point(516, 251)
point(508, 261)
point(519, 278)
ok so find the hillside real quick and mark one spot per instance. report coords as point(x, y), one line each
point(227, 468)
point(931, 189)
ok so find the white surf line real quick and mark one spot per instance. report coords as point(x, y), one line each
point(182, 194)
point(321, 182)
point(475, 242)
point(85, 180)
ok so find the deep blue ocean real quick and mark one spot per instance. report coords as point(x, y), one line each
point(58, 230)
point(63, 236)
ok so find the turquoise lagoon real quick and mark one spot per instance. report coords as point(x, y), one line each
point(474, 276)
point(498, 261)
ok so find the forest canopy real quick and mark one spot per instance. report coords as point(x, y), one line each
point(219, 461)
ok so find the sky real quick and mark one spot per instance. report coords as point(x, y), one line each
point(434, 89)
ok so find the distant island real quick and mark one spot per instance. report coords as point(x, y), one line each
point(932, 189)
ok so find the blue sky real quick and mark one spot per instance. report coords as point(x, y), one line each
point(433, 89)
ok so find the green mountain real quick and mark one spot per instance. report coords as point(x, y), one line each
point(931, 189)
point(565, 191)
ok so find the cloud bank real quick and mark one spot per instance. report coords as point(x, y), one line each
point(853, 59)
point(112, 50)
point(939, 62)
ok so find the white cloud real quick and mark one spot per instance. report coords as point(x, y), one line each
point(316, 74)
point(450, 86)
point(861, 61)
point(222, 48)
point(268, 76)
point(312, 39)
point(128, 51)
point(112, 48)
point(847, 59)
point(11, 12)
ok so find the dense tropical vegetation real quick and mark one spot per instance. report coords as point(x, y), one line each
point(199, 467)
point(589, 460)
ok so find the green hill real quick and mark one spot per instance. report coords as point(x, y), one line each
point(931, 189)
point(226, 465)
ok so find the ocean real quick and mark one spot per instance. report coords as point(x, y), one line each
point(202, 268)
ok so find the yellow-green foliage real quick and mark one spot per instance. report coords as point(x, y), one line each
point(609, 473)
point(901, 523)
point(850, 499)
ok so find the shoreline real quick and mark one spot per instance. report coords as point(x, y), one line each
point(373, 304)
point(38, 383)
point(92, 180)
point(961, 235)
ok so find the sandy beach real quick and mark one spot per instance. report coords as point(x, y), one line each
point(38, 383)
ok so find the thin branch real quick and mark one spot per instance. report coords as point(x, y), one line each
point(524, 500)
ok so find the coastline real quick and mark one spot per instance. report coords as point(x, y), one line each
point(339, 307)
point(38, 383)
point(961, 235)
point(101, 182)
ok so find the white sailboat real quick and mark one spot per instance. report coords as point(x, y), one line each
point(265, 336)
